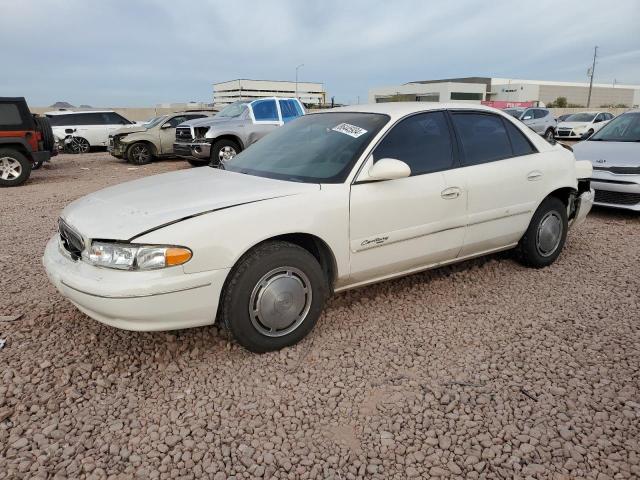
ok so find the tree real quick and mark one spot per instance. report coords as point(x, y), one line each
point(560, 102)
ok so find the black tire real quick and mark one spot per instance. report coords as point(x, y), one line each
point(252, 272)
point(223, 148)
point(11, 161)
point(44, 127)
point(549, 135)
point(139, 153)
point(540, 247)
point(78, 145)
point(197, 163)
point(37, 165)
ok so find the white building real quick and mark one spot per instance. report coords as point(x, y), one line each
point(225, 93)
point(478, 89)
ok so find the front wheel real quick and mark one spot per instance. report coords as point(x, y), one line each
point(548, 135)
point(223, 151)
point(273, 297)
point(544, 239)
point(14, 168)
point(139, 154)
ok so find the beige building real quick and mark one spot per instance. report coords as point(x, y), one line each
point(477, 89)
point(225, 93)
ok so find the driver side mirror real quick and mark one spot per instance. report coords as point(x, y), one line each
point(389, 169)
point(166, 125)
point(528, 117)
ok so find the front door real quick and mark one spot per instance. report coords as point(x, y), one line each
point(409, 223)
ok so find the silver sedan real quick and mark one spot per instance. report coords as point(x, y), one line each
point(614, 152)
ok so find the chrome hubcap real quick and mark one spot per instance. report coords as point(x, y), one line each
point(226, 153)
point(549, 234)
point(280, 301)
point(10, 168)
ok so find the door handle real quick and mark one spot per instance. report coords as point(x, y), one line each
point(535, 175)
point(450, 193)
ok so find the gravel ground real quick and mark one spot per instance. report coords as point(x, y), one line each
point(481, 370)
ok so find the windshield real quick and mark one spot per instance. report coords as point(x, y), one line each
point(580, 117)
point(625, 128)
point(233, 110)
point(318, 148)
point(154, 121)
point(514, 112)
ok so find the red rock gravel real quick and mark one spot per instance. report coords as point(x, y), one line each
point(480, 370)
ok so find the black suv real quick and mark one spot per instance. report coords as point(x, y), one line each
point(26, 141)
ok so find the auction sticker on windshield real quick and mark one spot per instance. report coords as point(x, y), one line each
point(348, 129)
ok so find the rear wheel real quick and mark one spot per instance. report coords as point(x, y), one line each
point(15, 168)
point(139, 154)
point(546, 235)
point(274, 296)
point(44, 127)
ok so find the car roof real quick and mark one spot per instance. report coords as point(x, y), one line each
point(67, 112)
point(402, 109)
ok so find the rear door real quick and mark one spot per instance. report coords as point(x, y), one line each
point(409, 223)
point(505, 179)
point(90, 126)
point(290, 109)
point(265, 116)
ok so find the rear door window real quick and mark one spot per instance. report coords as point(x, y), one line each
point(539, 113)
point(290, 109)
point(519, 142)
point(265, 111)
point(483, 137)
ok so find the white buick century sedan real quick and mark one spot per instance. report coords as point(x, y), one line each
point(330, 201)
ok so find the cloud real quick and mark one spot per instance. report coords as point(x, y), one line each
point(122, 53)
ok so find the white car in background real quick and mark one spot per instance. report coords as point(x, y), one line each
point(90, 128)
point(582, 125)
point(328, 202)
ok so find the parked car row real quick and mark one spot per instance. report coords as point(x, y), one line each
point(540, 120)
point(220, 138)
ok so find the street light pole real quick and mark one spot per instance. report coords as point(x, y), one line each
point(593, 68)
point(298, 67)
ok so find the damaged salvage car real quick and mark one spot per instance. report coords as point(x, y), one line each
point(329, 202)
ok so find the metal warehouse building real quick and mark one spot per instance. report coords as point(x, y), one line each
point(225, 93)
point(478, 89)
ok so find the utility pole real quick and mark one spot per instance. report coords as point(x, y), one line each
point(591, 72)
point(299, 66)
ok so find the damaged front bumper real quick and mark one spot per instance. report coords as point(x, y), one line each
point(198, 149)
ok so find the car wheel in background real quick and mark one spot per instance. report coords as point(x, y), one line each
point(223, 151)
point(549, 134)
point(139, 154)
point(197, 163)
point(273, 296)
point(14, 168)
point(78, 145)
point(544, 239)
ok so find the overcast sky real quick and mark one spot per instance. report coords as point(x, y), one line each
point(143, 52)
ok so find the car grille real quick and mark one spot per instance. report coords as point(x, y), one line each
point(617, 198)
point(620, 170)
point(71, 241)
point(563, 133)
point(183, 134)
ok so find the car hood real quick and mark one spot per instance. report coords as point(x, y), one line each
point(128, 130)
point(572, 124)
point(125, 211)
point(209, 121)
point(608, 154)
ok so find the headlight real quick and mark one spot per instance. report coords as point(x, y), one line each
point(126, 256)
